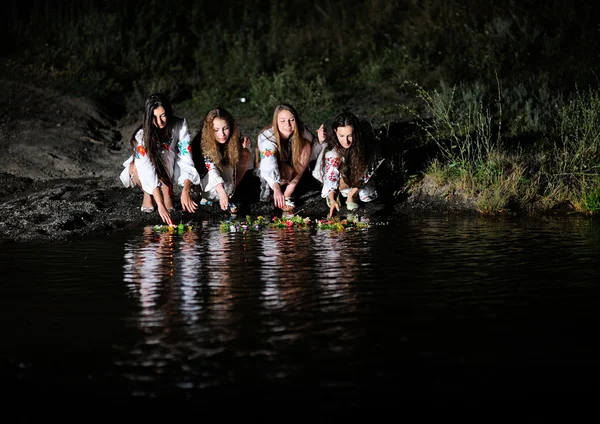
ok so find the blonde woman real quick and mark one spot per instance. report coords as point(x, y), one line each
point(285, 149)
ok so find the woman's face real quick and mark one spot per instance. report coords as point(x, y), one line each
point(344, 136)
point(222, 130)
point(160, 117)
point(286, 123)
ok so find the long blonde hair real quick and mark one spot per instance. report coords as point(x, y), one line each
point(298, 140)
point(210, 144)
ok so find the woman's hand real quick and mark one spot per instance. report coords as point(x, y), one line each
point(321, 133)
point(223, 197)
point(246, 144)
point(164, 214)
point(278, 197)
point(224, 203)
point(186, 201)
point(333, 205)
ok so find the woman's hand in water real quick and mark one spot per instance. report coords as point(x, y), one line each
point(164, 214)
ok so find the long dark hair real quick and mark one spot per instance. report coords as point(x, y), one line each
point(151, 135)
point(354, 165)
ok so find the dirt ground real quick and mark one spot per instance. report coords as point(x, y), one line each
point(60, 163)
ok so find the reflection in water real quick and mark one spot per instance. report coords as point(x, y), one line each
point(338, 257)
point(156, 267)
point(162, 272)
point(444, 305)
point(286, 264)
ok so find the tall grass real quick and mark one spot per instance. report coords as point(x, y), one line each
point(573, 163)
point(562, 167)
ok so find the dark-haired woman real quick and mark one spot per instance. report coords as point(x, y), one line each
point(346, 164)
point(161, 157)
point(285, 149)
point(226, 157)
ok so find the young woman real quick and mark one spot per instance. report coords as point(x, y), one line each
point(226, 157)
point(285, 149)
point(346, 165)
point(161, 157)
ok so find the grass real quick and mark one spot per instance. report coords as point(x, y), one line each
point(561, 167)
point(494, 87)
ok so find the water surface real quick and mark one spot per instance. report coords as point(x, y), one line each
point(452, 308)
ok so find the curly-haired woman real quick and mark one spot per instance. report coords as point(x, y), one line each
point(226, 157)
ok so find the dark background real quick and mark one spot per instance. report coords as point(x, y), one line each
point(354, 54)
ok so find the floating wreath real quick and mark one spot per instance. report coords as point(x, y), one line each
point(341, 225)
point(293, 222)
point(173, 228)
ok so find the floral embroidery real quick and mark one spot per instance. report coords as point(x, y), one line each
point(184, 147)
point(266, 153)
point(335, 162)
point(332, 165)
point(140, 151)
point(166, 146)
point(209, 165)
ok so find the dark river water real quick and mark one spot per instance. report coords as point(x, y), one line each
point(421, 308)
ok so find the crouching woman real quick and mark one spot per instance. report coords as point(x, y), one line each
point(161, 157)
point(346, 164)
point(226, 156)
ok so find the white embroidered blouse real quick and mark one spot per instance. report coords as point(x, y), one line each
point(176, 156)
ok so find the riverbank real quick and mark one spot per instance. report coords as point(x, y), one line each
point(63, 156)
point(73, 208)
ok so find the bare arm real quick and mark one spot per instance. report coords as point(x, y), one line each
point(223, 197)
point(278, 197)
point(334, 206)
point(162, 210)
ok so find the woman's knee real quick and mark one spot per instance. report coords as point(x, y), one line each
point(287, 172)
point(134, 174)
point(244, 159)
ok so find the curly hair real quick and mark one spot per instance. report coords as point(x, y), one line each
point(211, 148)
point(298, 140)
point(354, 164)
